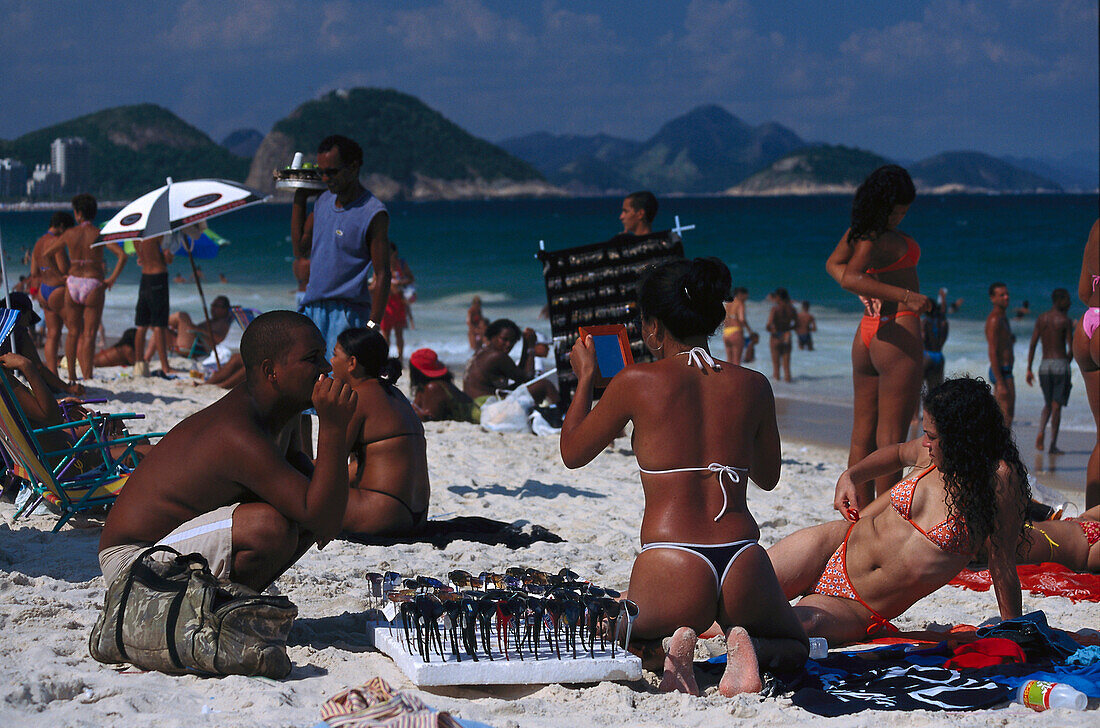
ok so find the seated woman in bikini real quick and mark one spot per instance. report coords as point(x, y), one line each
point(968, 491)
point(388, 471)
point(702, 427)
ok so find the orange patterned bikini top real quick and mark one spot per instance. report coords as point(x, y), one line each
point(950, 535)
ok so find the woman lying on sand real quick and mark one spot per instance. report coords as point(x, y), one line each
point(386, 440)
point(968, 490)
point(1071, 542)
point(700, 427)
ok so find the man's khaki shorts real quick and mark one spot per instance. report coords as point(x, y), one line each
point(210, 534)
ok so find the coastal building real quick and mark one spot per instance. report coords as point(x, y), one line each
point(70, 157)
point(13, 178)
point(44, 182)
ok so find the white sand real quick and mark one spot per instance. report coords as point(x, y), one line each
point(51, 591)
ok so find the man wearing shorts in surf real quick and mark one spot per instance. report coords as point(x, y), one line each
point(1000, 338)
point(229, 482)
point(152, 304)
point(1055, 329)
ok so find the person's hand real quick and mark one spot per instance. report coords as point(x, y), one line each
point(529, 337)
point(334, 401)
point(917, 302)
point(110, 282)
point(1030, 378)
point(301, 196)
point(14, 361)
point(846, 498)
point(582, 357)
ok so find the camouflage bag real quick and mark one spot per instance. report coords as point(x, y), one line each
point(173, 616)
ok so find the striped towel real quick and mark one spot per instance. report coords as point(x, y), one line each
point(375, 705)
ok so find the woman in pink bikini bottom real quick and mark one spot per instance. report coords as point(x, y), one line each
point(967, 491)
point(1086, 352)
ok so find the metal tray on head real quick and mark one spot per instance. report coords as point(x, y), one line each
point(299, 184)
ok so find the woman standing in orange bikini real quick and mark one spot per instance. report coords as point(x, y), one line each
point(967, 492)
point(1086, 352)
point(879, 264)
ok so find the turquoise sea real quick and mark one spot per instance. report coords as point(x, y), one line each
point(457, 249)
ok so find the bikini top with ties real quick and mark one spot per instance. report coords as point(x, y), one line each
point(949, 535)
point(698, 357)
point(908, 260)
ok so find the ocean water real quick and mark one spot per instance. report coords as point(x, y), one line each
point(457, 249)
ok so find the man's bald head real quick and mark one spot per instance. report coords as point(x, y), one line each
point(270, 336)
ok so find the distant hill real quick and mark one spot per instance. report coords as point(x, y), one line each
point(975, 172)
point(132, 149)
point(1072, 174)
point(813, 170)
point(409, 149)
point(243, 142)
point(705, 150)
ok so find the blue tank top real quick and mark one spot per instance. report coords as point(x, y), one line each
point(340, 264)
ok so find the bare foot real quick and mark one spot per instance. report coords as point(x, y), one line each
point(1039, 440)
point(679, 675)
point(1054, 449)
point(742, 673)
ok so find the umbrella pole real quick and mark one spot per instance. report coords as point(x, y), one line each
point(7, 291)
point(205, 312)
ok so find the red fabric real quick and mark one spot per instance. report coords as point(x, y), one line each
point(986, 652)
point(1047, 579)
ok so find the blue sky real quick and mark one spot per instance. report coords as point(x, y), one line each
point(905, 79)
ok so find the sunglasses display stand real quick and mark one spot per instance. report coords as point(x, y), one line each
point(514, 671)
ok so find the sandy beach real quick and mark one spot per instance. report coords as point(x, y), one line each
point(51, 592)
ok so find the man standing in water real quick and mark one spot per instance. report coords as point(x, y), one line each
point(1055, 329)
point(639, 211)
point(1000, 338)
point(346, 240)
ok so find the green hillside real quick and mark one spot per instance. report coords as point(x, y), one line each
point(132, 149)
point(401, 137)
point(818, 166)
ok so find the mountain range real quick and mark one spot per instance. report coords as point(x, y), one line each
point(413, 152)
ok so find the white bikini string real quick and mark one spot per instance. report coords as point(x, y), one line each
point(733, 473)
point(698, 355)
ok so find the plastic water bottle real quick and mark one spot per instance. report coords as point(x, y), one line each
point(819, 648)
point(1039, 695)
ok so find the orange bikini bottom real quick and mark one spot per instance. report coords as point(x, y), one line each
point(868, 325)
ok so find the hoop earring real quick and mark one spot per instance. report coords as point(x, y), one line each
point(655, 348)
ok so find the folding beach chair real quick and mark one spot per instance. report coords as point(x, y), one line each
point(55, 475)
point(244, 316)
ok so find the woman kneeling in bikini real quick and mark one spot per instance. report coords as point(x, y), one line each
point(967, 491)
point(702, 428)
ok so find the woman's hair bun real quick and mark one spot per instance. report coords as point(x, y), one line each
point(707, 283)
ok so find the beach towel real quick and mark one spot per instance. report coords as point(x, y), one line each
point(894, 687)
point(1046, 579)
point(441, 532)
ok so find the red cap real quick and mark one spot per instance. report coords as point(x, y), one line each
point(427, 362)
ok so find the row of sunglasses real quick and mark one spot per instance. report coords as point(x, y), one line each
point(530, 612)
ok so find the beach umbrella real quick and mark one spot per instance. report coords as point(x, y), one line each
point(173, 207)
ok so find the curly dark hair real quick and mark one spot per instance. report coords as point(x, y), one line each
point(882, 191)
point(974, 440)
